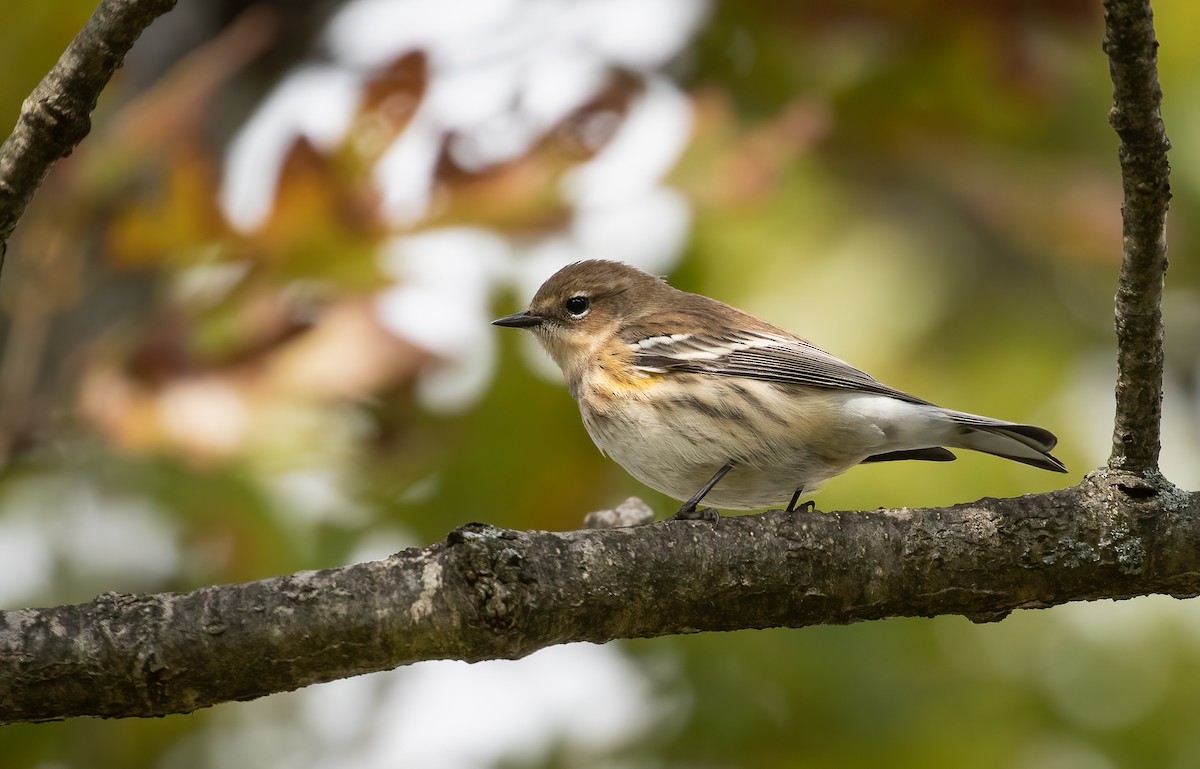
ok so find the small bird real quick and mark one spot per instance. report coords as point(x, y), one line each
point(700, 400)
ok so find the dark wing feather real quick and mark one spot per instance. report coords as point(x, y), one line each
point(765, 357)
point(935, 454)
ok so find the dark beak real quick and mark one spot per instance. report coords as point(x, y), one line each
point(519, 320)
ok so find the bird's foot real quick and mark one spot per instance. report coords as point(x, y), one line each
point(804, 507)
point(692, 514)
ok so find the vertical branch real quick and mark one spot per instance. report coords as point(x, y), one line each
point(1133, 63)
point(57, 115)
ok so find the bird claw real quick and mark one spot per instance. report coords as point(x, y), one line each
point(805, 507)
point(703, 514)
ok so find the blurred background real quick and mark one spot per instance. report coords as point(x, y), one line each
point(245, 332)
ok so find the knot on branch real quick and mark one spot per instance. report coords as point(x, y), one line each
point(62, 117)
point(1124, 486)
point(491, 561)
point(135, 622)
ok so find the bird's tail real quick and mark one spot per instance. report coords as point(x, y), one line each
point(1020, 443)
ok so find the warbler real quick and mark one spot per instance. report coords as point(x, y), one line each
point(702, 401)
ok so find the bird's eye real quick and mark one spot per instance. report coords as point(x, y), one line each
point(577, 306)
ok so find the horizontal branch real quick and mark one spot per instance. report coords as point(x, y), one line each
point(57, 115)
point(1135, 115)
point(491, 593)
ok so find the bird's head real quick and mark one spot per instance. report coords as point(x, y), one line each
point(583, 305)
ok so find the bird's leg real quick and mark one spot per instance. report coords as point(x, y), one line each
point(689, 512)
point(807, 507)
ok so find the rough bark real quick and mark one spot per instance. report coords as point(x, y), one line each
point(1133, 63)
point(490, 593)
point(57, 115)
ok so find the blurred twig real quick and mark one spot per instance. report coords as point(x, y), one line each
point(45, 283)
point(1133, 62)
point(57, 115)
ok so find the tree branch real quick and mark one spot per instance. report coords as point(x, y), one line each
point(1133, 63)
point(490, 593)
point(57, 115)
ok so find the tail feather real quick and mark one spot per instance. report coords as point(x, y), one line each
point(1021, 443)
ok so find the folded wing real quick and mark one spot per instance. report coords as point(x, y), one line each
point(772, 357)
point(762, 356)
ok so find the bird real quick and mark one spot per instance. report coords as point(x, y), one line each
point(702, 401)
